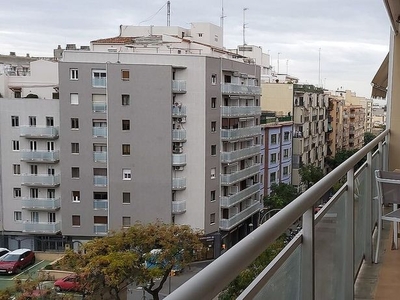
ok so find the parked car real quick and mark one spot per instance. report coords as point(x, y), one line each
point(15, 261)
point(68, 283)
point(3, 251)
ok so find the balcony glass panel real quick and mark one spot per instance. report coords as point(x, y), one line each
point(237, 111)
point(100, 156)
point(178, 207)
point(99, 82)
point(100, 229)
point(40, 180)
point(232, 199)
point(40, 156)
point(360, 188)
point(227, 157)
point(238, 133)
point(99, 106)
point(41, 227)
point(227, 224)
point(240, 175)
point(229, 88)
point(178, 135)
point(39, 132)
point(179, 111)
point(99, 180)
point(100, 131)
point(100, 204)
point(178, 159)
point(41, 203)
point(179, 86)
point(179, 183)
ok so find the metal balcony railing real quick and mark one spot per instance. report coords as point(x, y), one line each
point(39, 132)
point(228, 157)
point(41, 203)
point(40, 156)
point(42, 180)
point(178, 207)
point(41, 227)
point(323, 259)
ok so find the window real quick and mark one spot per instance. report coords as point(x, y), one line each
point(17, 94)
point(126, 100)
point(214, 79)
point(213, 149)
point(126, 198)
point(74, 123)
point(286, 135)
point(200, 34)
point(212, 196)
point(285, 171)
point(126, 174)
point(213, 102)
point(213, 172)
point(15, 145)
point(76, 220)
point(99, 78)
point(74, 98)
point(272, 177)
point(17, 192)
point(34, 169)
point(35, 216)
point(75, 172)
point(285, 153)
point(14, 121)
point(51, 193)
point(75, 148)
point(126, 124)
point(126, 221)
point(49, 121)
point(273, 138)
point(33, 145)
point(212, 219)
point(126, 149)
point(51, 171)
point(16, 169)
point(76, 196)
point(32, 121)
point(34, 193)
point(73, 74)
point(17, 216)
point(213, 126)
point(273, 157)
point(125, 74)
point(51, 217)
point(50, 146)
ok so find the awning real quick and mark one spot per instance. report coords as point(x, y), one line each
point(380, 81)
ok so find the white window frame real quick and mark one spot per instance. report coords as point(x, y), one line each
point(73, 74)
point(213, 173)
point(74, 98)
point(126, 174)
point(17, 216)
point(76, 196)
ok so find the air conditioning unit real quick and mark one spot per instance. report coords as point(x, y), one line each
point(178, 168)
point(177, 151)
point(181, 120)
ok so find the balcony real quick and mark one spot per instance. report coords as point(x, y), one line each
point(229, 179)
point(178, 160)
point(240, 111)
point(239, 89)
point(100, 229)
point(100, 107)
point(228, 224)
point(100, 132)
point(100, 204)
point(333, 243)
point(99, 82)
point(36, 132)
point(40, 180)
point(228, 201)
point(178, 183)
point(40, 156)
point(41, 227)
point(47, 204)
point(179, 111)
point(228, 157)
point(240, 133)
point(179, 135)
point(100, 156)
point(178, 207)
point(100, 180)
point(179, 86)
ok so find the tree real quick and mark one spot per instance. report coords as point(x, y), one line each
point(281, 195)
point(310, 174)
point(368, 137)
point(108, 264)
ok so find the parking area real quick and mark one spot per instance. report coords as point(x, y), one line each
point(30, 272)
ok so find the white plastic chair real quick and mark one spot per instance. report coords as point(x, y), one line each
point(388, 184)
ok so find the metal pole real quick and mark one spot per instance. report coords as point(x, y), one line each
point(244, 25)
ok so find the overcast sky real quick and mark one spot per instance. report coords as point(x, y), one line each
point(353, 35)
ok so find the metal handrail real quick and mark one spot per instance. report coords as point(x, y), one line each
point(210, 281)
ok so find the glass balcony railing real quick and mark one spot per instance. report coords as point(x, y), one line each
point(229, 88)
point(41, 203)
point(41, 227)
point(179, 86)
point(100, 156)
point(178, 160)
point(100, 204)
point(100, 132)
point(227, 201)
point(228, 179)
point(322, 261)
point(40, 180)
point(179, 183)
point(178, 207)
point(179, 111)
point(239, 133)
point(100, 229)
point(228, 224)
point(39, 132)
point(228, 157)
point(178, 135)
point(40, 156)
point(99, 107)
point(100, 180)
point(99, 82)
point(240, 111)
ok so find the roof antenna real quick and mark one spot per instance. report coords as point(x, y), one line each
point(244, 25)
point(168, 13)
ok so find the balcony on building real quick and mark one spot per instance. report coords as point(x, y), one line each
point(178, 135)
point(100, 107)
point(40, 156)
point(240, 111)
point(100, 204)
point(240, 89)
point(228, 224)
point(47, 204)
point(178, 183)
point(230, 156)
point(178, 160)
point(100, 132)
point(179, 86)
point(178, 207)
point(227, 201)
point(39, 132)
point(40, 180)
point(178, 111)
point(229, 179)
point(41, 227)
point(100, 156)
point(100, 180)
point(100, 229)
point(239, 133)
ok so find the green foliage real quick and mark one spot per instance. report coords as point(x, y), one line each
point(242, 281)
point(368, 137)
point(108, 264)
point(339, 158)
point(281, 195)
point(310, 174)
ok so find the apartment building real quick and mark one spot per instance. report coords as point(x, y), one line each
point(354, 116)
point(335, 133)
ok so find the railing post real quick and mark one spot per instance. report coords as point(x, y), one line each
point(308, 256)
point(385, 155)
point(369, 181)
point(381, 155)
